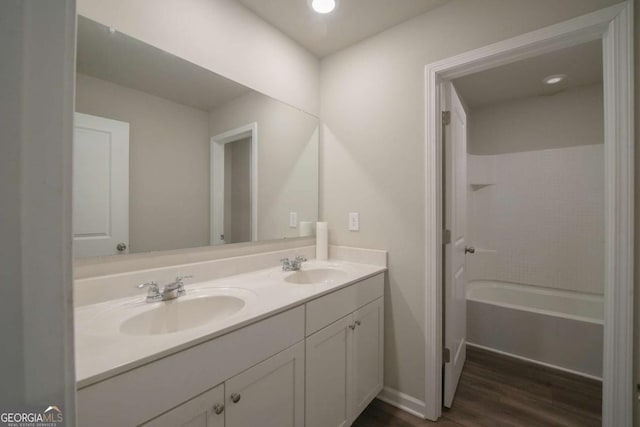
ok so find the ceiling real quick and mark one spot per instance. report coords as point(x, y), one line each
point(126, 61)
point(350, 22)
point(582, 64)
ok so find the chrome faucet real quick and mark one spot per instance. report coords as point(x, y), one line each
point(292, 265)
point(171, 290)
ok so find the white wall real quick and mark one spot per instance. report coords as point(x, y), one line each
point(37, 42)
point(12, 388)
point(222, 36)
point(542, 222)
point(567, 119)
point(287, 159)
point(372, 106)
point(636, 23)
point(169, 164)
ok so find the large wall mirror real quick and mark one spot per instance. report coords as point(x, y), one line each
point(169, 155)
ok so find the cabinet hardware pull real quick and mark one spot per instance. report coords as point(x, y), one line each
point(218, 408)
point(358, 323)
point(235, 397)
point(352, 327)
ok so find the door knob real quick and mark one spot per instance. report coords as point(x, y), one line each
point(235, 397)
point(218, 408)
point(469, 250)
point(121, 247)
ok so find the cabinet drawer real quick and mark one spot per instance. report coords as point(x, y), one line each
point(329, 308)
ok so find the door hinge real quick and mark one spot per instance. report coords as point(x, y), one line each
point(446, 117)
point(446, 355)
point(446, 237)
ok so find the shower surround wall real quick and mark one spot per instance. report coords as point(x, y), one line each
point(536, 195)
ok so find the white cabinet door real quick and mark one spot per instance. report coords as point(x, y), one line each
point(270, 394)
point(100, 186)
point(368, 342)
point(328, 375)
point(205, 410)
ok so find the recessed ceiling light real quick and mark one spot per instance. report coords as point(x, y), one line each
point(554, 79)
point(323, 6)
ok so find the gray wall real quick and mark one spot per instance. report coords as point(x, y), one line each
point(568, 119)
point(222, 36)
point(169, 164)
point(287, 159)
point(237, 191)
point(37, 41)
point(636, 23)
point(372, 106)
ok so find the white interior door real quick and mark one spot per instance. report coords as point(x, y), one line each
point(455, 196)
point(100, 186)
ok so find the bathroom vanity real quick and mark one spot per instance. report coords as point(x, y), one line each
point(261, 348)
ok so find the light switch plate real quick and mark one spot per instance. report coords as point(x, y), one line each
point(354, 221)
point(293, 219)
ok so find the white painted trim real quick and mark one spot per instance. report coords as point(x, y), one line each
point(615, 27)
point(217, 179)
point(618, 380)
point(402, 401)
point(537, 362)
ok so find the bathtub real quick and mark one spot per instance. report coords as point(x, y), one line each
point(560, 329)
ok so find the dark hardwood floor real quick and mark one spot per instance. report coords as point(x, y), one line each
point(496, 390)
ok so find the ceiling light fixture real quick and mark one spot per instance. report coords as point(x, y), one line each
point(323, 6)
point(554, 79)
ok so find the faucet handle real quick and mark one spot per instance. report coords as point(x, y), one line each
point(179, 279)
point(152, 284)
point(154, 292)
point(286, 263)
point(300, 258)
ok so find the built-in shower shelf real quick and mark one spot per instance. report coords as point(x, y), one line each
point(478, 186)
point(485, 250)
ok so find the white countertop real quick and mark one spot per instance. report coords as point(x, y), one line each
point(102, 351)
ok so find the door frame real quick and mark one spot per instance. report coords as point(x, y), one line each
point(217, 179)
point(614, 26)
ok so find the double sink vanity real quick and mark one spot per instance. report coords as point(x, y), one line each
point(235, 345)
point(165, 333)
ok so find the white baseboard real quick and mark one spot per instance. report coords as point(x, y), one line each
point(537, 362)
point(402, 401)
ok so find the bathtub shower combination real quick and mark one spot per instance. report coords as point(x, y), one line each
point(561, 329)
point(536, 220)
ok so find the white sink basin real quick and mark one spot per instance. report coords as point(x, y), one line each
point(182, 314)
point(314, 276)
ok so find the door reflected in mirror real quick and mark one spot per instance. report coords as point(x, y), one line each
point(209, 161)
